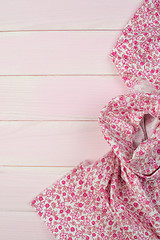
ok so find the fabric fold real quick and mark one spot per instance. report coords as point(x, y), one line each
point(136, 53)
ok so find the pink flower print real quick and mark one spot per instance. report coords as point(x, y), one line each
point(133, 115)
point(128, 192)
point(146, 73)
point(81, 175)
point(49, 225)
point(86, 221)
point(110, 216)
point(48, 213)
point(144, 45)
point(127, 127)
point(70, 188)
point(147, 191)
point(156, 1)
point(49, 193)
point(151, 25)
point(78, 233)
point(142, 237)
point(142, 199)
point(135, 227)
point(124, 103)
point(106, 238)
point(103, 238)
point(57, 183)
point(75, 198)
point(90, 195)
point(120, 208)
point(64, 222)
point(89, 209)
point(75, 215)
point(100, 169)
point(100, 229)
point(158, 180)
point(141, 103)
point(151, 161)
point(121, 98)
point(115, 120)
point(116, 206)
point(89, 181)
point(40, 206)
point(120, 236)
point(104, 205)
point(61, 205)
point(63, 235)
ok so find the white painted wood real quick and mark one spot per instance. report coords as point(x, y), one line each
point(68, 15)
point(19, 185)
point(57, 52)
point(53, 143)
point(23, 226)
point(56, 97)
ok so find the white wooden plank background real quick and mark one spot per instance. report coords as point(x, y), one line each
point(46, 53)
point(23, 225)
point(56, 97)
point(29, 181)
point(41, 143)
point(55, 77)
point(75, 15)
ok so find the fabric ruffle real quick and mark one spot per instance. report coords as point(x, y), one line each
point(132, 139)
point(118, 196)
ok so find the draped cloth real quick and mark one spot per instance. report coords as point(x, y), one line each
point(118, 196)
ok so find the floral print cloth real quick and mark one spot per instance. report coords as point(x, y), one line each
point(137, 51)
point(118, 196)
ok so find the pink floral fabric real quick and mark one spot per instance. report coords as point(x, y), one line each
point(118, 196)
point(136, 54)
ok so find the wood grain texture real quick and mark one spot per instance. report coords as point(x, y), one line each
point(56, 97)
point(23, 225)
point(53, 143)
point(57, 52)
point(19, 185)
point(68, 15)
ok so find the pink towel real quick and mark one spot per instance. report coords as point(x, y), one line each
point(118, 196)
